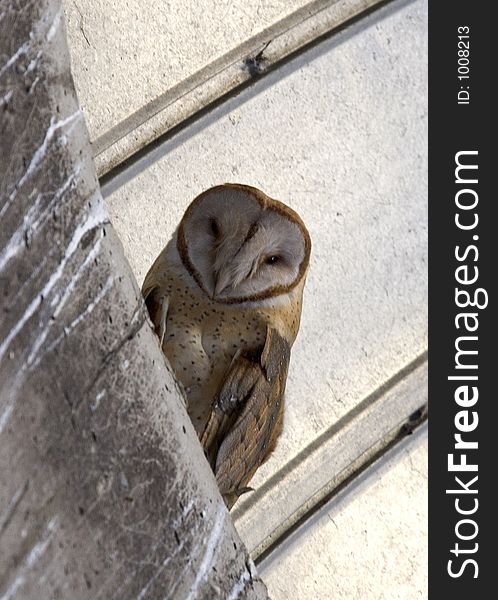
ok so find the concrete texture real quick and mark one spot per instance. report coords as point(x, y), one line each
point(125, 56)
point(371, 542)
point(340, 135)
point(104, 489)
point(192, 83)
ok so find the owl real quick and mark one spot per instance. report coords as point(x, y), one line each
point(225, 298)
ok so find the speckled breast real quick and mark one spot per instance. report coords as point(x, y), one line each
point(201, 340)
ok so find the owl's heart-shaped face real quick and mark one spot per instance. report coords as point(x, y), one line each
point(240, 245)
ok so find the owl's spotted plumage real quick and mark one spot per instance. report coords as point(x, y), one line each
point(225, 298)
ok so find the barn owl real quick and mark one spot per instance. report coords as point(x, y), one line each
point(225, 299)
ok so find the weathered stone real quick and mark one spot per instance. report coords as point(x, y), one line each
point(104, 490)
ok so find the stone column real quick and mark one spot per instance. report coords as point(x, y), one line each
point(104, 490)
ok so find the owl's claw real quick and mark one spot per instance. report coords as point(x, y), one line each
point(243, 490)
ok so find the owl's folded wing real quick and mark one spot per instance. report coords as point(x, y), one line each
point(247, 417)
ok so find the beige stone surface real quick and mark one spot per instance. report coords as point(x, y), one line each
point(125, 54)
point(370, 543)
point(145, 108)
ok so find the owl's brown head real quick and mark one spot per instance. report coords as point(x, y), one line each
point(240, 245)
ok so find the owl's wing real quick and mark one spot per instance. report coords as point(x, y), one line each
point(157, 305)
point(247, 417)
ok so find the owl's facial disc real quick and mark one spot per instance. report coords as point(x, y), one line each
point(241, 249)
point(233, 263)
point(245, 260)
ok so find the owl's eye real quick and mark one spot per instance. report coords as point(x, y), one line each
point(214, 227)
point(271, 260)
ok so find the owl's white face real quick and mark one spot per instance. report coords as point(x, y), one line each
point(241, 246)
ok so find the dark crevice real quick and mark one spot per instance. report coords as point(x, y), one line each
point(140, 317)
point(11, 510)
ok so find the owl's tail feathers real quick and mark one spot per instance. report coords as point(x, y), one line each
point(247, 417)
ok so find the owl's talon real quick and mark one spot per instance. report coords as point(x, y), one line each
point(243, 490)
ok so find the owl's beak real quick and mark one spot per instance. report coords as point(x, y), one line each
point(221, 282)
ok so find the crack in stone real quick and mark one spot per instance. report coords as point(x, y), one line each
point(141, 318)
